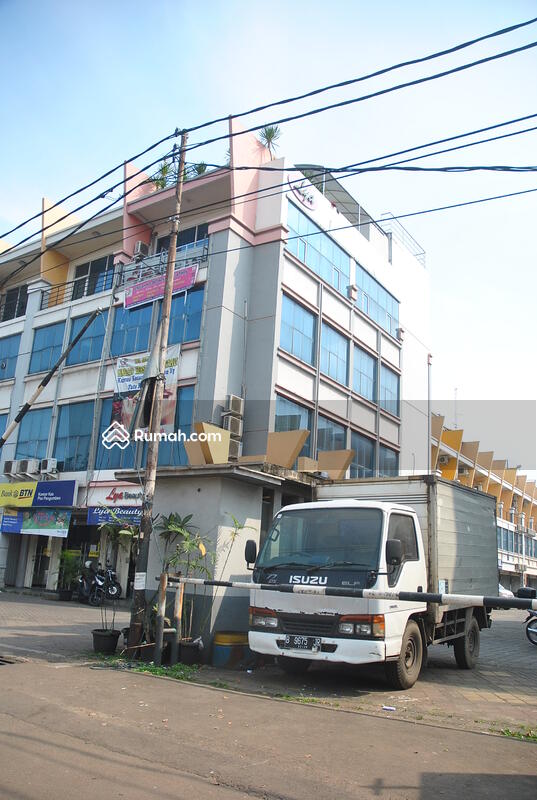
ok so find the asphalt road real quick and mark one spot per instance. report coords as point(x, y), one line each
point(67, 730)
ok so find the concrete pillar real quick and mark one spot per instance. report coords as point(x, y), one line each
point(30, 562)
point(21, 566)
point(54, 563)
point(122, 568)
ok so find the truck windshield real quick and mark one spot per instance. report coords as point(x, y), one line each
point(324, 537)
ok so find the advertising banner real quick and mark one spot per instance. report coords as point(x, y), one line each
point(153, 289)
point(37, 522)
point(129, 372)
point(100, 514)
point(38, 493)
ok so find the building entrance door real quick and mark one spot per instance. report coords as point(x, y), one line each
point(41, 562)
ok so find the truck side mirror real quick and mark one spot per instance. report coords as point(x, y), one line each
point(250, 552)
point(394, 552)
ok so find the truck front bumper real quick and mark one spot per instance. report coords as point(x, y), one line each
point(349, 651)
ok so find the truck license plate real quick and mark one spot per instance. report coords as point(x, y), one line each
point(312, 643)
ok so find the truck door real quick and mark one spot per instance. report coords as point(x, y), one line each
point(408, 577)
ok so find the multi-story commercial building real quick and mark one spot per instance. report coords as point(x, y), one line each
point(516, 499)
point(299, 302)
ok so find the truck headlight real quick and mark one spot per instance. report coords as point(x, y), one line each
point(263, 618)
point(363, 629)
point(346, 627)
point(362, 625)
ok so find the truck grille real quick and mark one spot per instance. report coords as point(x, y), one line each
point(308, 624)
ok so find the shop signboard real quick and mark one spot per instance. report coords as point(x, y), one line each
point(118, 493)
point(128, 514)
point(129, 374)
point(37, 522)
point(153, 289)
point(38, 494)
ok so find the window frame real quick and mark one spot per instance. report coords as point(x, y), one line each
point(9, 358)
point(297, 332)
point(54, 350)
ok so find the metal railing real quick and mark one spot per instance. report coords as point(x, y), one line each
point(122, 276)
point(390, 224)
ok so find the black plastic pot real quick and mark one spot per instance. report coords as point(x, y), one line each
point(65, 594)
point(105, 641)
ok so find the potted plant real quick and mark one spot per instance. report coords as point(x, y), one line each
point(189, 558)
point(106, 637)
point(67, 573)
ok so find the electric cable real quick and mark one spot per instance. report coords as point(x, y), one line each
point(341, 84)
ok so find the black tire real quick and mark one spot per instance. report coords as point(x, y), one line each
point(294, 666)
point(96, 597)
point(531, 630)
point(113, 591)
point(403, 673)
point(466, 648)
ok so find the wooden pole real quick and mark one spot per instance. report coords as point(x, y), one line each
point(177, 622)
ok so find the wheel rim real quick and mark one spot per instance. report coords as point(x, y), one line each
point(410, 654)
point(472, 639)
point(531, 630)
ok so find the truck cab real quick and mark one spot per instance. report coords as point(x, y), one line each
point(355, 544)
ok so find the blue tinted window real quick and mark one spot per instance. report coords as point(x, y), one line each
point(174, 453)
point(297, 334)
point(292, 417)
point(317, 250)
point(376, 302)
point(33, 434)
point(90, 347)
point(47, 347)
point(131, 330)
point(9, 350)
point(3, 423)
point(389, 390)
point(363, 464)
point(330, 435)
point(365, 374)
point(388, 462)
point(115, 458)
point(73, 435)
point(334, 354)
point(185, 317)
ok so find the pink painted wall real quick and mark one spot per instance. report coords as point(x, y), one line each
point(246, 150)
point(142, 233)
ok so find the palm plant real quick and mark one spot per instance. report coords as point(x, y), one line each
point(201, 168)
point(268, 136)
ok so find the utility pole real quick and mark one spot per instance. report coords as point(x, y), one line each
point(146, 522)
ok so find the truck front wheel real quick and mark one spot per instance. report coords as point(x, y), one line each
point(403, 673)
point(466, 648)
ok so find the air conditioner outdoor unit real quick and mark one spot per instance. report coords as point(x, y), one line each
point(443, 460)
point(464, 471)
point(234, 405)
point(235, 450)
point(141, 250)
point(29, 466)
point(11, 468)
point(48, 466)
point(233, 425)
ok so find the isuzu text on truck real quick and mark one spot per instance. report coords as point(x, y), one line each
point(417, 534)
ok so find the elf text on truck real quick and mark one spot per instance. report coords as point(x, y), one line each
point(402, 534)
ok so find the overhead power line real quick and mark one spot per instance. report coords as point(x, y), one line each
point(311, 93)
point(378, 93)
point(376, 74)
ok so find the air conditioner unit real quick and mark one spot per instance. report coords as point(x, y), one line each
point(29, 466)
point(11, 468)
point(48, 466)
point(464, 471)
point(234, 405)
point(235, 450)
point(141, 250)
point(443, 460)
point(233, 425)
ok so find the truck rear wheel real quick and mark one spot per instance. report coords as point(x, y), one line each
point(294, 666)
point(466, 648)
point(403, 673)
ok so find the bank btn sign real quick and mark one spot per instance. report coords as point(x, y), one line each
point(38, 494)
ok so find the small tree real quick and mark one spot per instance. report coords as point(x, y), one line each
point(120, 532)
point(68, 570)
point(268, 136)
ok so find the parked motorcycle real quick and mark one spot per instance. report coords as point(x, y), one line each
point(531, 627)
point(96, 584)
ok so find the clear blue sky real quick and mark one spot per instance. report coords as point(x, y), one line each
point(86, 84)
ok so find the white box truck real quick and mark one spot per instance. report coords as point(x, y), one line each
point(409, 534)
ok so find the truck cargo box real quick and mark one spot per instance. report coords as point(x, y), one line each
point(458, 527)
